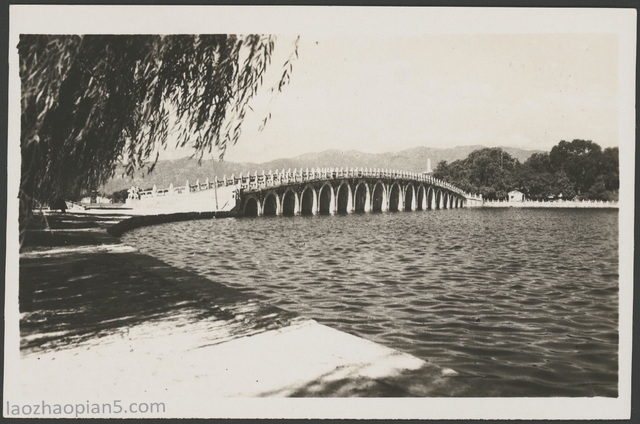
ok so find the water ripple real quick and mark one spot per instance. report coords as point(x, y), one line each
point(521, 302)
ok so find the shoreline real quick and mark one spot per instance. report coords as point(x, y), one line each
point(569, 204)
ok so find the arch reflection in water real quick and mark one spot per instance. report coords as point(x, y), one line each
point(378, 198)
point(344, 198)
point(289, 203)
point(251, 207)
point(408, 198)
point(362, 198)
point(308, 201)
point(394, 198)
point(326, 200)
point(271, 205)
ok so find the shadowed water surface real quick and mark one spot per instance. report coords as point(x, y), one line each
point(521, 302)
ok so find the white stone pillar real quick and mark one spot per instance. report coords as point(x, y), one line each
point(385, 198)
point(333, 202)
point(297, 208)
point(350, 197)
point(314, 205)
point(367, 198)
point(279, 205)
point(414, 199)
point(260, 204)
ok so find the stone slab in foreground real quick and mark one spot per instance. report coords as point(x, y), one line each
point(304, 359)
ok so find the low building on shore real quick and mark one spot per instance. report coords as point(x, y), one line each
point(516, 196)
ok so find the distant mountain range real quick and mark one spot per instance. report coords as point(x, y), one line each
point(178, 171)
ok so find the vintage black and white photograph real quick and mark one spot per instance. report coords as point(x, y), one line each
point(315, 212)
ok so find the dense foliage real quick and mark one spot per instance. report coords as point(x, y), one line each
point(90, 102)
point(576, 169)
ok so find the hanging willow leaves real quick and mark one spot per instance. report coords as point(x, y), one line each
point(91, 101)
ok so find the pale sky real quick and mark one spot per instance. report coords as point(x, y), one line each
point(438, 90)
point(380, 79)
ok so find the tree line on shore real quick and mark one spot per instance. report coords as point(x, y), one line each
point(92, 102)
point(579, 169)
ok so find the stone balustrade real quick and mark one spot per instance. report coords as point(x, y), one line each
point(255, 181)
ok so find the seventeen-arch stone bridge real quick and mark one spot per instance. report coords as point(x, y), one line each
point(330, 191)
point(320, 191)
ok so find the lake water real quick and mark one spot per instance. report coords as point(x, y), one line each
point(520, 302)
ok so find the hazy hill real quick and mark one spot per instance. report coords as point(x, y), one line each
point(180, 170)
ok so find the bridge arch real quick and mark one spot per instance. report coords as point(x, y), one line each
point(438, 198)
point(362, 197)
point(344, 198)
point(326, 200)
point(252, 206)
point(309, 201)
point(395, 197)
point(379, 197)
point(290, 203)
point(271, 204)
point(409, 198)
